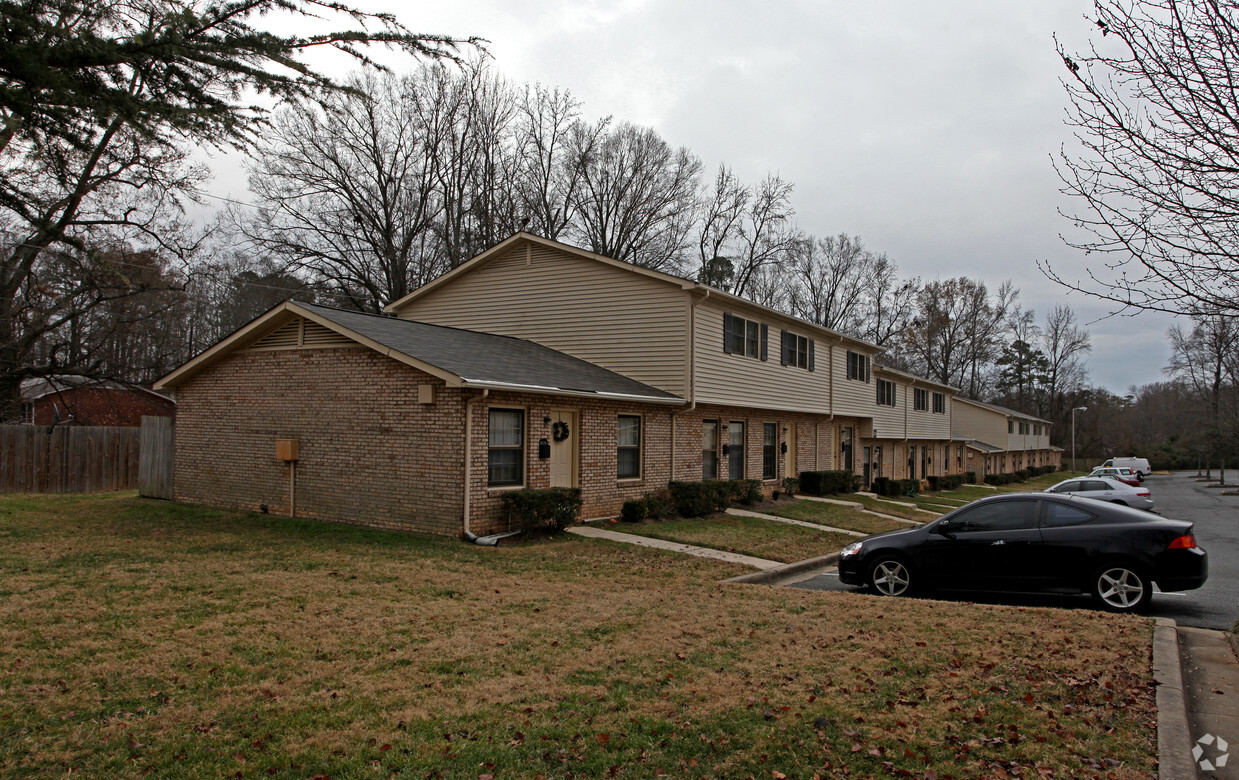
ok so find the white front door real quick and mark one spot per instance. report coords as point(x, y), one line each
point(564, 438)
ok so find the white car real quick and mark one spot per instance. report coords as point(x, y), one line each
point(1105, 489)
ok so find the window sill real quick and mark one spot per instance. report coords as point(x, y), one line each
point(503, 488)
point(629, 480)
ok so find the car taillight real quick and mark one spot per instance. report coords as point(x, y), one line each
point(1183, 543)
point(1142, 493)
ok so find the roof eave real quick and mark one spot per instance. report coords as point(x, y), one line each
point(482, 384)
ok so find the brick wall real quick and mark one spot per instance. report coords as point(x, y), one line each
point(100, 406)
point(369, 453)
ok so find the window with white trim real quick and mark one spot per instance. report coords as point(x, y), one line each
point(769, 450)
point(744, 337)
point(920, 399)
point(506, 442)
point(709, 449)
point(628, 447)
point(796, 350)
point(886, 393)
point(858, 366)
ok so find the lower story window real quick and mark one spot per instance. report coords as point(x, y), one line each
point(506, 454)
point(709, 449)
point(735, 458)
point(628, 449)
point(769, 450)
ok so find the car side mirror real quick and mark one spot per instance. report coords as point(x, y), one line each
point(943, 527)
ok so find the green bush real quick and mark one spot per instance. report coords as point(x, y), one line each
point(1022, 475)
point(634, 510)
point(791, 485)
point(695, 499)
point(747, 491)
point(945, 482)
point(885, 486)
point(658, 504)
point(909, 487)
point(999, 479)
point(556, 508)
point(970, 477)
point(825, 483)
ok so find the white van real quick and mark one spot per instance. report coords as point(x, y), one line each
point(1138, 465)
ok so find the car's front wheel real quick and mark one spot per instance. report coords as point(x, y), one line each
point(1121, 587)
point(890, 576)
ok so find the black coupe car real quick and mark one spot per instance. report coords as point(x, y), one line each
point(1034, 542)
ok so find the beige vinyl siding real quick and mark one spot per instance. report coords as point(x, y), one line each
point(978, 423)
point(925, 424)
point(852, 396)
point(302, 334)
point(888, 421)
point(737, 380)
point(622, 321)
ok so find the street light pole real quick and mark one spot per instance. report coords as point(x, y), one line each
point(1073, 434)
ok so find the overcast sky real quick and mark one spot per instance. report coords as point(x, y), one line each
point(927, 129)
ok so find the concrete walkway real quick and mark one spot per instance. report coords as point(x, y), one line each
point(790, 521)
point(859, 507)
point(1211, 689)
point(686, 549)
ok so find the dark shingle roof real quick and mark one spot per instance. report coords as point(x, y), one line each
point(488, 358)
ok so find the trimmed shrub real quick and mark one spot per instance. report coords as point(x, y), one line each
point(791, 485)
point(658, 504)
point(555, 508)
point(970, 477)
point(634, 510)
point(695, 499)
point(885, 486)
point(909, 487)
point(825, 483)
point(1021, 475)
point(999, 479)
point(747, 491)
point(945, 482)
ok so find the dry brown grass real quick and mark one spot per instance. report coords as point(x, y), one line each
point(147, 638)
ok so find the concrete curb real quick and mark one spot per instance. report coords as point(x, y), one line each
point(1174, 737)
point(770, 575)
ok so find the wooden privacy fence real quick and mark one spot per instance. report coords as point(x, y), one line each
point(155, 470)
point(68, 459)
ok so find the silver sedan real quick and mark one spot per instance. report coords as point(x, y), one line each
point(1106, 489)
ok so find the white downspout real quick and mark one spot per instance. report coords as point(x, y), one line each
point(692, 373)
point(469, 458)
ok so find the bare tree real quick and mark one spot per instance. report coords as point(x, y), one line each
point(1206, 359)
point(888, 305)
point(1154, 107)
point(832, 275)
point(549, 171)
point(349, 189)
point(766, 235)
point(637, 197)
point(1064, 344)
point(722, 211)
point(956, 335)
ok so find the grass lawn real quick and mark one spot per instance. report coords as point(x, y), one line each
point(148, 638)
point(836, 516)
point(754, 536)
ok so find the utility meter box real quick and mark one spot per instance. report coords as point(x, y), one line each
point(286, 449)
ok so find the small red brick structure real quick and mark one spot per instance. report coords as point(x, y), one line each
point(78, 400)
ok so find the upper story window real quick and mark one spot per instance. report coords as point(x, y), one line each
point(1036, 429)
point(939, 403)
point(858, 366)
point(744, 337)
point(796, 350)
point(920, 399)
point(886, 393)
point(1010, 426)
point(1023, 429)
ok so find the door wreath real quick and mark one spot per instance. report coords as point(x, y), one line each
point(560, 431)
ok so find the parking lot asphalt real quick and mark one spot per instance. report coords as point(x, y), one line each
point(1178, 495)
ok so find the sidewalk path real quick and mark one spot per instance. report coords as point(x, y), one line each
point(860, 508)
point(790, 521)
point(1211, 687)
point(687, 549)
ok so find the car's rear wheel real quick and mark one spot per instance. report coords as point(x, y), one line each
point(890, 576)
point(1121, 587)
point(1119, 502)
